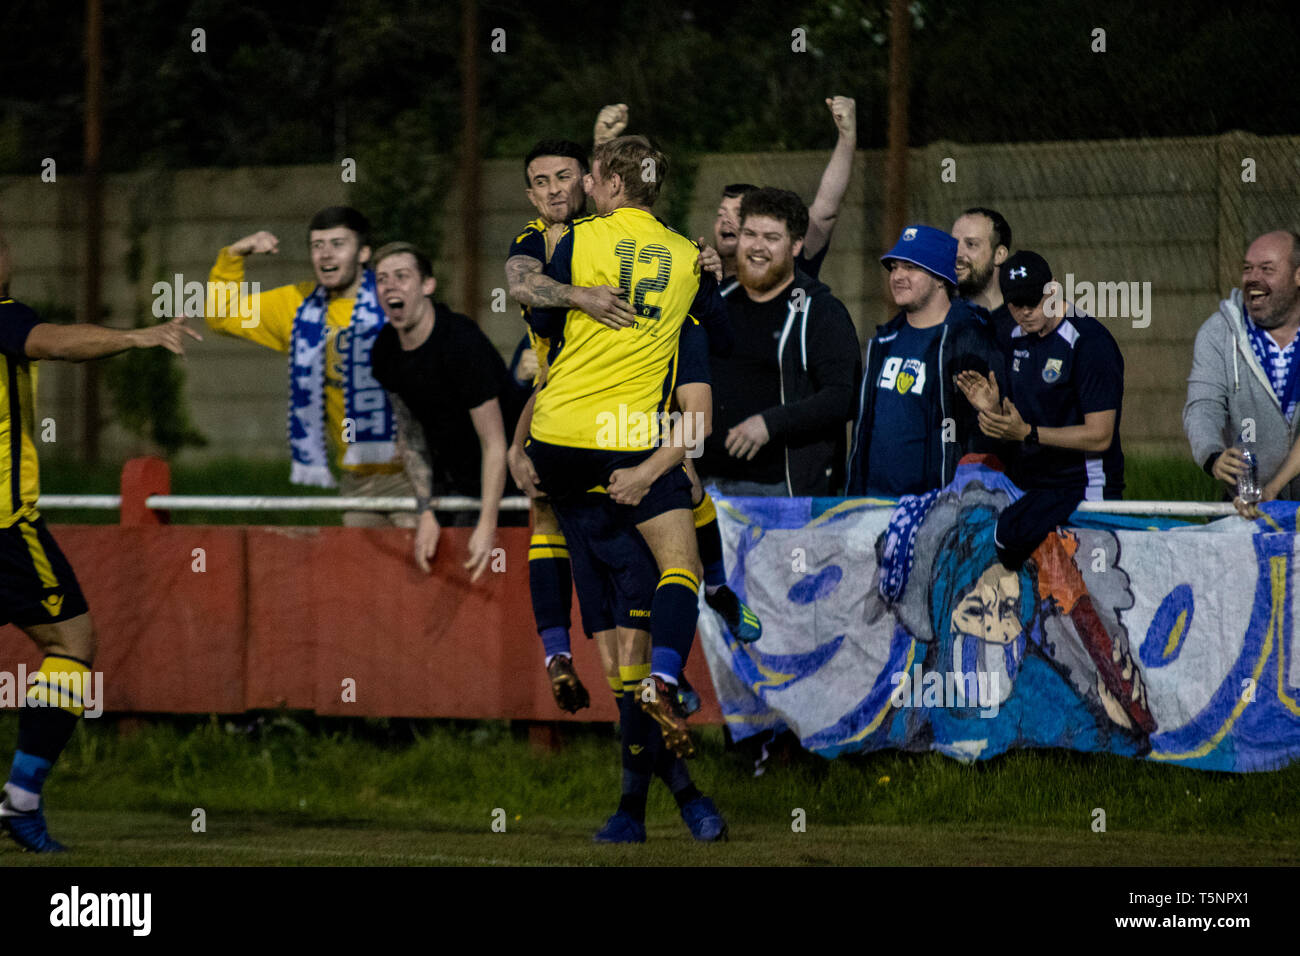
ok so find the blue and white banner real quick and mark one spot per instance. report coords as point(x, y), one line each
point(890, 627)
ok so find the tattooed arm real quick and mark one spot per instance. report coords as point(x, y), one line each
point(529, 287)
point(414, 453)
point(418, 463)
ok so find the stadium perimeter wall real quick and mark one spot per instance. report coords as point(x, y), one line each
point(1177, 213)
point(282, 617)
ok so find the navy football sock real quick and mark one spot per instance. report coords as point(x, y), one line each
point(673, 615)
point(672, 770)
point(709, 540)
point(45, 726)
point(550, 584)
point(637, 732)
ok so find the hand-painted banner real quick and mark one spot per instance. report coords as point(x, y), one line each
point(898, 627)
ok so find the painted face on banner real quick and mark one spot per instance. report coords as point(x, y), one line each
point(988, 610)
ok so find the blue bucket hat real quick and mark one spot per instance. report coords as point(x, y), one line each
point(932, 249)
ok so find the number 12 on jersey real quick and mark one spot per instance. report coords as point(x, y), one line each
point(651, 254)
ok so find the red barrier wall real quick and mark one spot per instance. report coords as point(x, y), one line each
point(280, 617)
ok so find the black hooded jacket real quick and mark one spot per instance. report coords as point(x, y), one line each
point(820, 365)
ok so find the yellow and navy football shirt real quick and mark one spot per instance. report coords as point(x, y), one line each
point(601, 376)
point(535, 243)
point(532, 242)
point(19, 475)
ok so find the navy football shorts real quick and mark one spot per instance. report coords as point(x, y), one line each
point(37, 585)
point(613, 570)
point(566, 472)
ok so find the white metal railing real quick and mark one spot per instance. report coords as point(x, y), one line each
point(1166, 509)
point(272, 503)
point(1163, 509)
point(93, 502)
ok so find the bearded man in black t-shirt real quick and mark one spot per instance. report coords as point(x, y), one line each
point(783, 396)
point(444, 379)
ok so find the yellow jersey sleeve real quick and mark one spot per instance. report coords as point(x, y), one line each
point(269, 314)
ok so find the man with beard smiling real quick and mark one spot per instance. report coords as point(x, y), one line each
point(339, 417)
point(983, 243)
point(782, 398)
point(444, 379)
point(1245, 374)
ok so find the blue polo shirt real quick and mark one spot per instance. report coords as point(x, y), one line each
point(1056, 379)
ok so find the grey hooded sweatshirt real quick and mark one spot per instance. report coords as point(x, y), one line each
point(1228, 386)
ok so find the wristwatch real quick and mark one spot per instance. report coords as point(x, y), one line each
point(1032, 437)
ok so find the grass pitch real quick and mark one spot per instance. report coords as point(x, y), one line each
point(286, 791)
point(136, 838)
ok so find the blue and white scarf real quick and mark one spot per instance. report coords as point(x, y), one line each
point(1280, 366)
point(365, 403)
point(900, 542)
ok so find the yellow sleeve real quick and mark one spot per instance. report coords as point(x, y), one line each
point(541, 348)
point(265, 318)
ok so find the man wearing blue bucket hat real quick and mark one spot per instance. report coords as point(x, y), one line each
point(913, 423)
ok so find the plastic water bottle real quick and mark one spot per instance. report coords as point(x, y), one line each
point(1248, 489)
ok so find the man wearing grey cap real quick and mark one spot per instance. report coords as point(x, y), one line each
point(913, 424)
point(1060, 404)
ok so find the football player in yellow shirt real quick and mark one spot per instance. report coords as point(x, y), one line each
point(554, 171)
point(597, 419)
point(553, 174)
point(39, 593)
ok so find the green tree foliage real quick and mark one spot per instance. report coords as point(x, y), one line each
point(147, 386)
point(298, 82)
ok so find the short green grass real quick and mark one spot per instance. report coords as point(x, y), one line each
point(1168, 479)
point(289, 790)
point(1148, 478)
